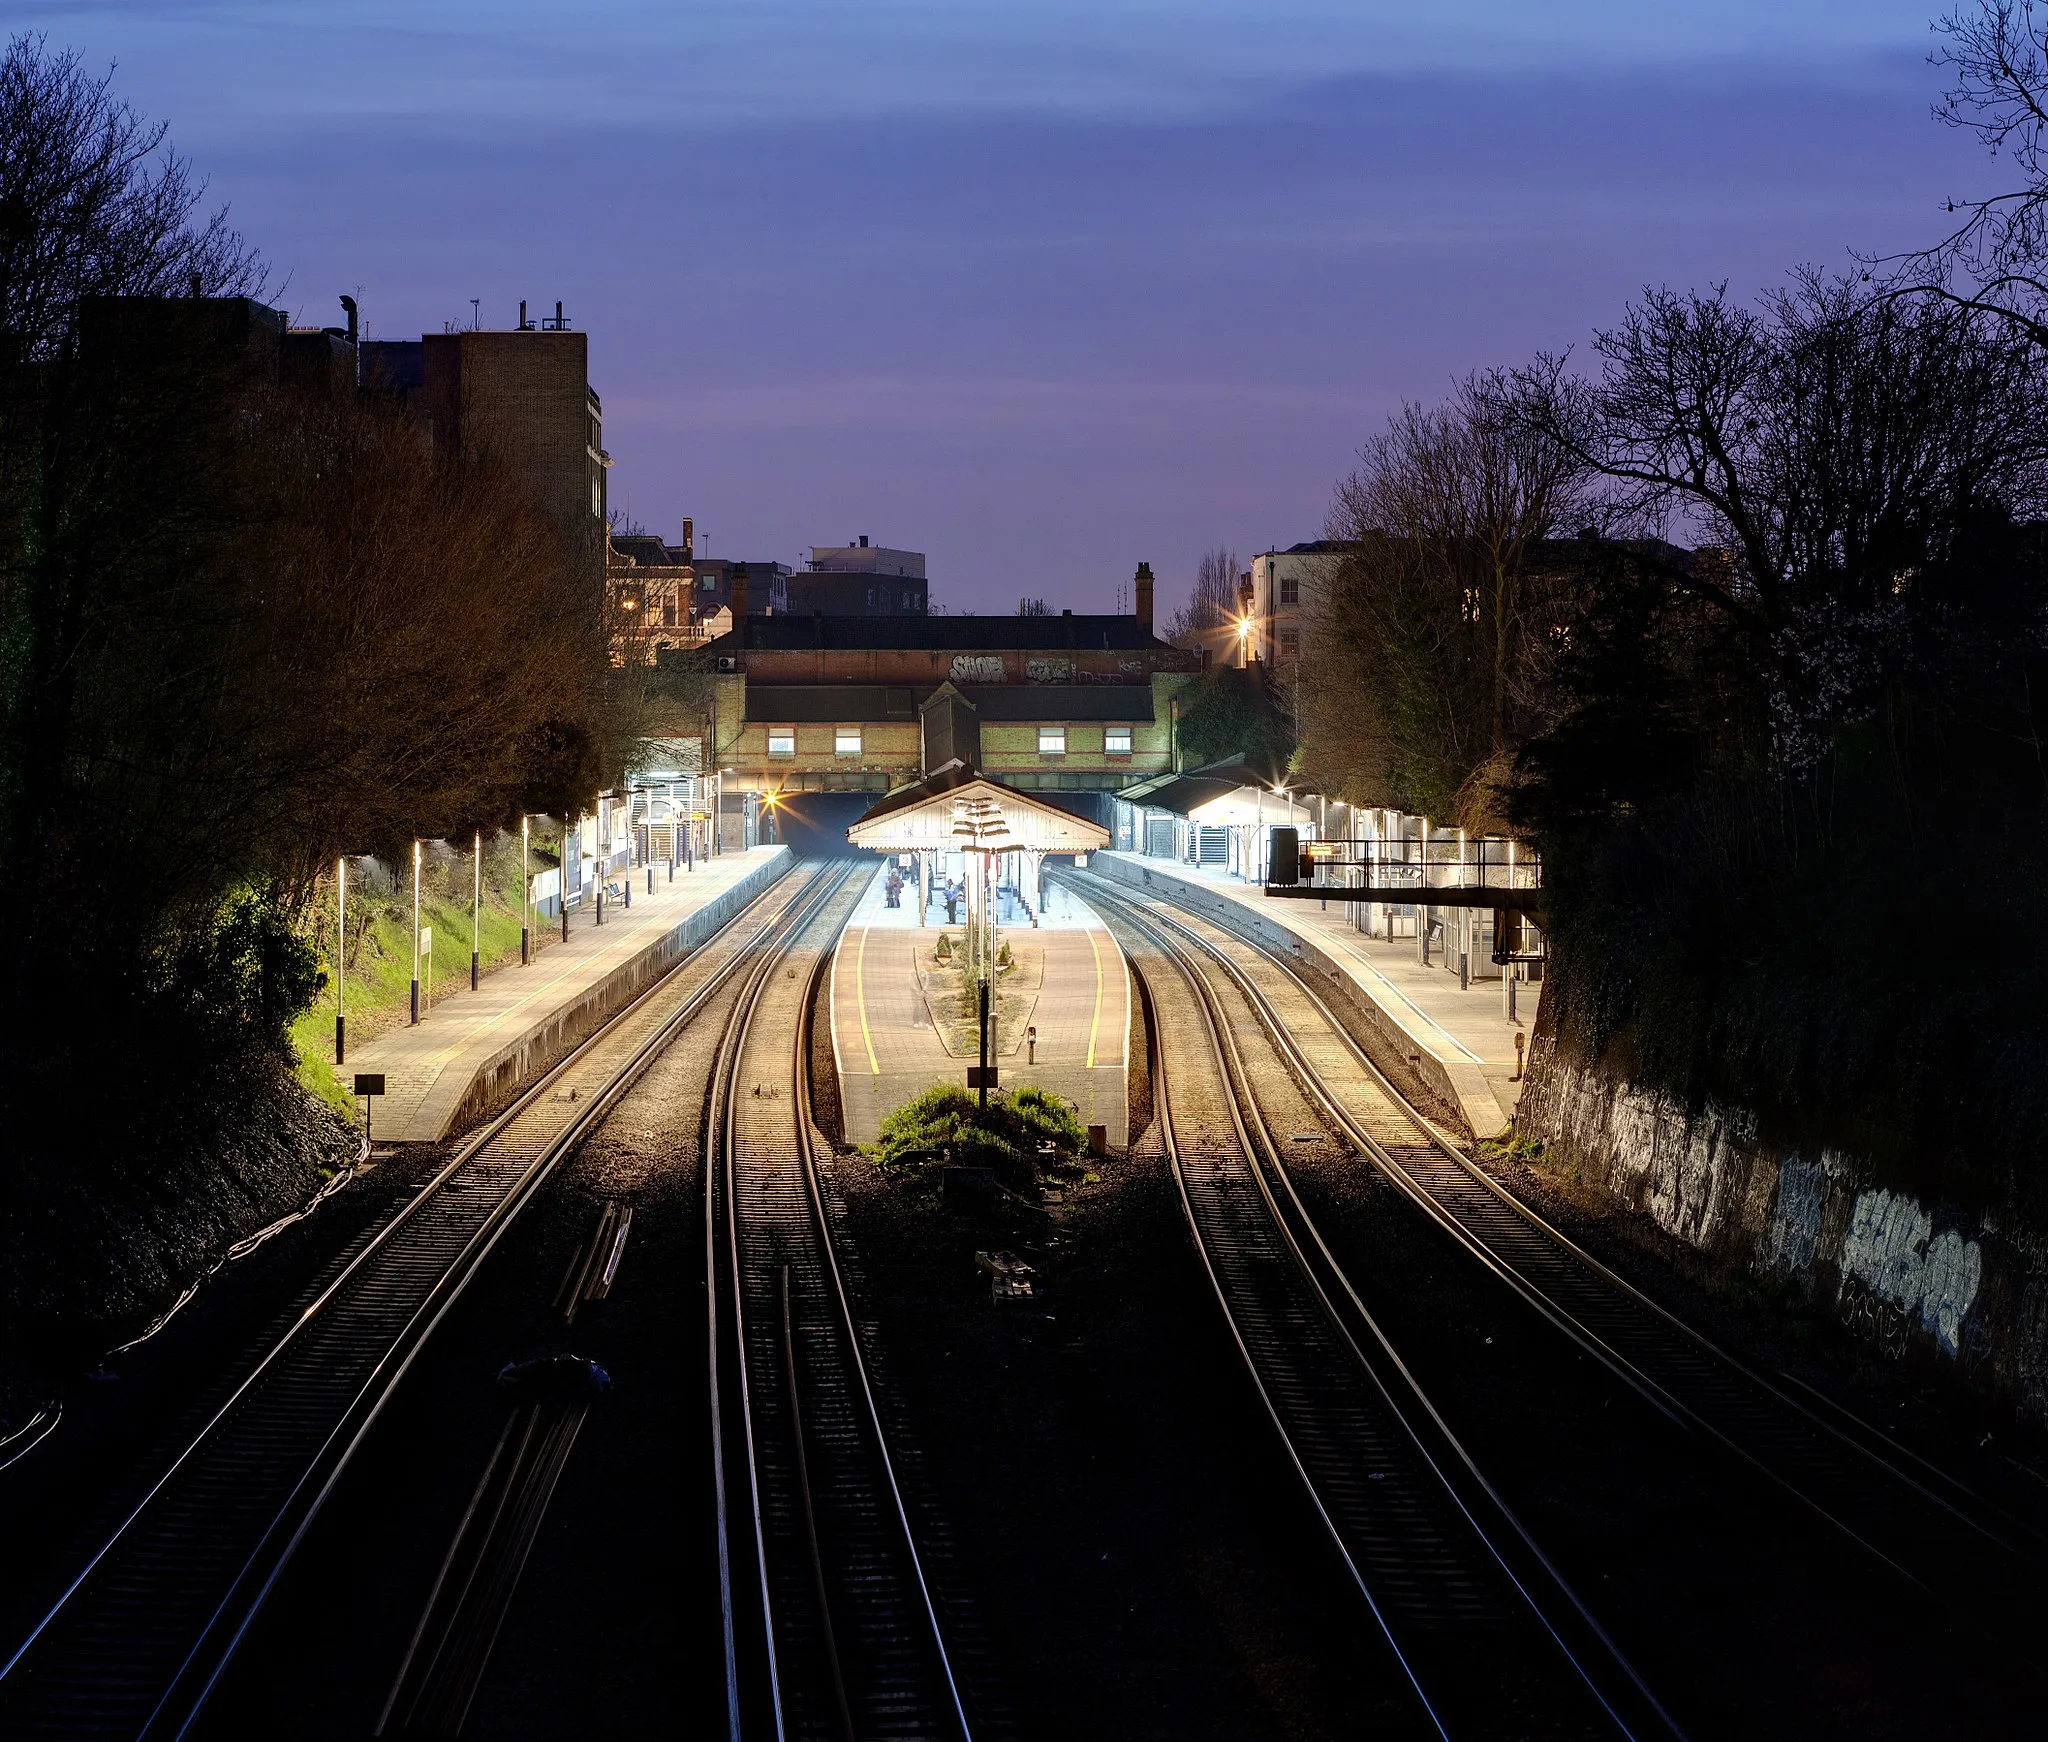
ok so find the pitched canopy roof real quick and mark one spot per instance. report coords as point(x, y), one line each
point(920, 817)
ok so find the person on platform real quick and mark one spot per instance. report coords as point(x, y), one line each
point(893, 888)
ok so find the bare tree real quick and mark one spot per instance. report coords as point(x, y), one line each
point(94, 202)
point(1421, 650)
point(1995, 255)
point(1206, 619)
point(1841, 443)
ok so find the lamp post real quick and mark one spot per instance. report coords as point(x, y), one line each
point(416, 930)
point(525, 890)
point(340, 960)
point(979, 827)
point(476, 912)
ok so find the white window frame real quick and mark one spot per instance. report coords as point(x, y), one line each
point(1052, 740)
point(840, 735)
point(781, 740)
point(1109, 736)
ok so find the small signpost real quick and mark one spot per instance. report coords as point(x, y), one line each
point(427, 956)
point(368, 1084)
point(981, 1076)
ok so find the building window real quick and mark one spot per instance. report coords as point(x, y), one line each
point(846, 741)
point(1116, 740)
point(782, 741)
point(1052, 740)
point(597, 497)
point(1290, 643)
point(1290, 589)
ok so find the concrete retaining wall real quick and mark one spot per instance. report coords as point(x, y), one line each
point(1921, 1280)
point(508, 1070)
point(1418, 1072)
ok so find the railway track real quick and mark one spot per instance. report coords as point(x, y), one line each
point(136, 1643)
point(1488, 1635)
point(831, 1627)
point(1904, 1512)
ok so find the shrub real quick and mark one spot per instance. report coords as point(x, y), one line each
point(1003, 1136)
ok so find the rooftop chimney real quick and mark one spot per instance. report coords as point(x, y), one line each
point(689, 539)
point(863, 541)
point(348, 304)
point(1142, 597)
point(739, 595)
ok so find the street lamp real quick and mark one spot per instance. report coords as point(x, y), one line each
point(979, 825)
point(476, 911)
point(415, 929)
point(525, 890)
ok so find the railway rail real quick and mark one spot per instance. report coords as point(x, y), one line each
point(831, 1626)
point(1906, 1513)
point(138, 1640)
point(1488, 1635)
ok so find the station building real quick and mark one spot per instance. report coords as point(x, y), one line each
point(826, 713)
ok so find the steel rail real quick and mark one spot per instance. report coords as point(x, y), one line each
point(137, 1641)
point(1271, 1381)
point(1601, 1311)
point(848, 1450)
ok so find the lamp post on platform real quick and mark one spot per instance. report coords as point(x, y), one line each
point(980, 828)
point(415, 929)
point(476, 912)
point(525, 889)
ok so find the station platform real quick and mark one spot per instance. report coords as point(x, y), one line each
point(894, 1032)
point(1465, 1041)
point(472, 1050)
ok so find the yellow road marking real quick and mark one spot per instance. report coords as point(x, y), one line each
point(860, 997)
point(1095, 950)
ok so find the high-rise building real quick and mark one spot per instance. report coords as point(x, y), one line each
point(522, 396)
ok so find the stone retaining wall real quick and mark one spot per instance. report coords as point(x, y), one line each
point(1920, 1279)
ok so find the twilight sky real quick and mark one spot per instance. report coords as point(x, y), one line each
point(1039, 289)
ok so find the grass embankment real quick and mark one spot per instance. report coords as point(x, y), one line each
point(379, 989)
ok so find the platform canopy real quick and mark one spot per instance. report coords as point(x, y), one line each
point(921, 817)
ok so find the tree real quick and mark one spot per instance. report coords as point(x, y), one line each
point(1994, 257)
point(1840, 443)
point(1206, 619)
point(1238, 711)
point(1427, 634)
point(251, 623)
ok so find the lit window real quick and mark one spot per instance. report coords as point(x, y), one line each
point(1290, 641)
point(846, 740)
point(782, 741)
point(1052, 740)
point(1116, 740)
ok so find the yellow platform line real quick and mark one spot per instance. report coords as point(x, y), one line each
point(1095, 1025)
point(860, 997)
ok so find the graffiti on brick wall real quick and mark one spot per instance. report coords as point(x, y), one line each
point(977, 668)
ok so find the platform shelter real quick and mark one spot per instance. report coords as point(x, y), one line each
point(928, 821)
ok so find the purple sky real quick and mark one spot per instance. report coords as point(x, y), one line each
point(1039, 290)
